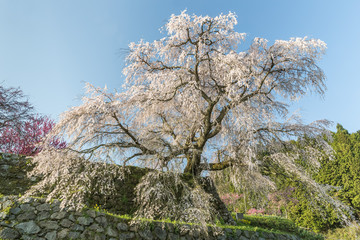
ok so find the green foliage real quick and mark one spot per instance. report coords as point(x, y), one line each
point(349, 233)
point(122, 201)
point(296, 205)
point(305, 211)
point(8, 208)
point(312, 214)
point(344, 170)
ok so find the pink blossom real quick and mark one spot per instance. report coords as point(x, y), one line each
point(255, 211)
point(230, 199)
point(24, 140)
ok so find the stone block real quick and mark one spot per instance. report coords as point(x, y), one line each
point(96, 227)
point(42, 216)
point(85, 221)
point(73, 235)
point(121, 226)
point(44, 207)
point(146, 234)
point(58, 215)
point(128, 235)
point(28, 227)
point(9, 233)
point(51, 235)
point(49, 225)
point(160, 233)
point(63, 234)
point(111, 232)
point(15, 211)
point(66, 223)
point(26, 216)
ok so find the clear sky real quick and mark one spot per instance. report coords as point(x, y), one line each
point(50, 48)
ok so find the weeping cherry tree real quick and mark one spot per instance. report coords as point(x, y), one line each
point(196, 102)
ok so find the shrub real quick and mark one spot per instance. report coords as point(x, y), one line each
point(351, 232)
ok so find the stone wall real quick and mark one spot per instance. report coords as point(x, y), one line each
point(35, 219)
point(13, 174)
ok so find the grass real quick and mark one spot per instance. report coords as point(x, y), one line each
point(252, 223)
point(278, 224)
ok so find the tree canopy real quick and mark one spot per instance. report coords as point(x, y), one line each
point(192, 97)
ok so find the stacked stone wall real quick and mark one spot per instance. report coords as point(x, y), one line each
point(13, 174)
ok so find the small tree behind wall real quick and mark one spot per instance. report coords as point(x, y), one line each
point(195, 102)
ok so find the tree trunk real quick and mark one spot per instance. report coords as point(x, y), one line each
point(193, 164)
point(221, 210)
point(194, 168)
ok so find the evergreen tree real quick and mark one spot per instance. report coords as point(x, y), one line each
point(344, 170)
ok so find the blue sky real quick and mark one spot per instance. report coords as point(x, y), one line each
point(50, 48)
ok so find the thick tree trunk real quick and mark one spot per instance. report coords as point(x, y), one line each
point(221, 211)
point(194, 167)
point(193, 164)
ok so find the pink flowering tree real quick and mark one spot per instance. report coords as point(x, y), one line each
point(231, 200)
point(254, 211)
point(25, 139)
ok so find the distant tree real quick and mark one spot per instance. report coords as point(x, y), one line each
point(193, 102)
point(26, 137)
point(14, 107)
